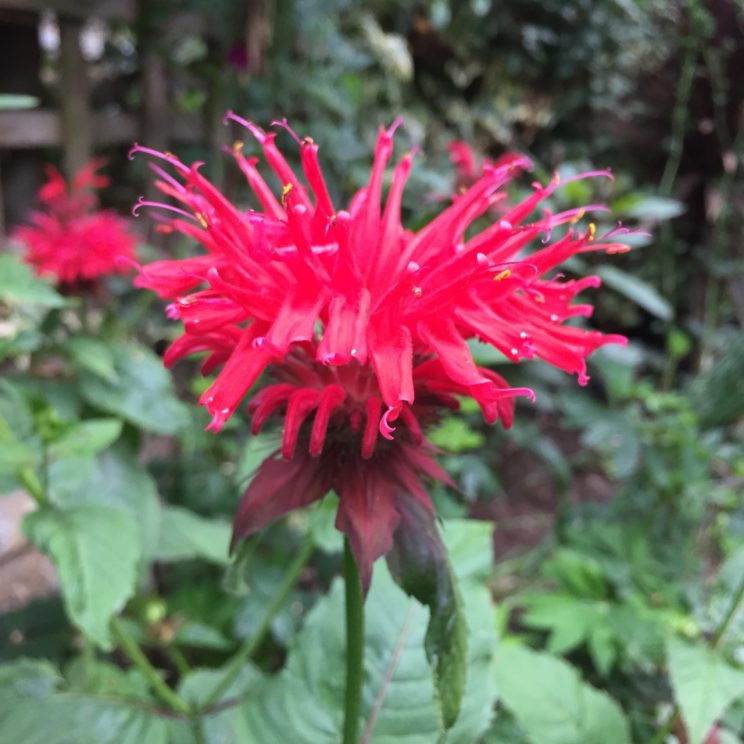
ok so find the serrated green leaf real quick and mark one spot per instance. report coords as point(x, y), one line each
point(77, 719)
point(142, 392)
point(25, 678)
point(303, 704)
point(704, 685)
point(15, 416)
point(86, 438)
point(566, 617)
point(185, 535)
point(93, 355)
point(99, 677)
point(115, 478)
point(19, 285)
point(224, 727)
point(638, 291)
point(95, 550)
point(552, 703)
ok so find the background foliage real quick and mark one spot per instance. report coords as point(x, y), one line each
point(599, 544)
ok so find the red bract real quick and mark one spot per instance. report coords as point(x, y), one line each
point(71, 239)
point(364, 323)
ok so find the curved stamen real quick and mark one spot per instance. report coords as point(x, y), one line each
point(167, 156)
point(142, 202)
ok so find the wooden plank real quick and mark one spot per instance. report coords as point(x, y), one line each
point(75, 113)
point(40, 128)
point(72, 8)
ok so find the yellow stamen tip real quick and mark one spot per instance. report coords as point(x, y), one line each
point(592, 231)
point(238, 145)
point(578, 216)
point(285, 192)
point(202, 220)
point(505, 274)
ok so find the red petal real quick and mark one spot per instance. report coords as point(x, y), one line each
point(369, 438)
point(452, 351)
point(301, 403)
point(391, 349)
point(295, 320)
point(332, 397)
point(367, 515)
point(345, 334)
point(278, 487)
point(242, 369)
point(265, 402)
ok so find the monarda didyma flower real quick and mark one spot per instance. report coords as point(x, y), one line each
point(70, 238)
point(363, 324)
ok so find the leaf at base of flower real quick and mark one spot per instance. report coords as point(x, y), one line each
point(419, 563)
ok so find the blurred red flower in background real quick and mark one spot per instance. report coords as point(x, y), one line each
point(69, 238)
point(363, 323)
point(469, 167)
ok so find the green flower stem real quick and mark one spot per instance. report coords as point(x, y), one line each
point(354, 647)
point(238, 661)
point(666, 729)
point(134, 653)
point(33, 485)
point(729, 616)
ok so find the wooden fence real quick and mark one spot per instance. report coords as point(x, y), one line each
point(76, 128)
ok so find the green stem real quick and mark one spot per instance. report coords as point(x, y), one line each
point(354, 647)
point(179, 660)
point(244, 653)
point(134, 653)
point(729, 616)
point(666, 729)
point(33, 486)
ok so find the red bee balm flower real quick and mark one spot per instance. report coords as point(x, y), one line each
point(70, 238)
point(363, 323)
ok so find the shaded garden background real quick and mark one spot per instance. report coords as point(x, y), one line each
point(618, 516)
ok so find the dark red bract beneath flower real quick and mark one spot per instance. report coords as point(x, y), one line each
point(69, 238)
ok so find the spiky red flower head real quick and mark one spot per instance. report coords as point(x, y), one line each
point(363, 322)
point(69, 238)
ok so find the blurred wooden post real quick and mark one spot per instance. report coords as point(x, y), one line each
point(75, 113)
point(155, 122)
point(214, 111)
